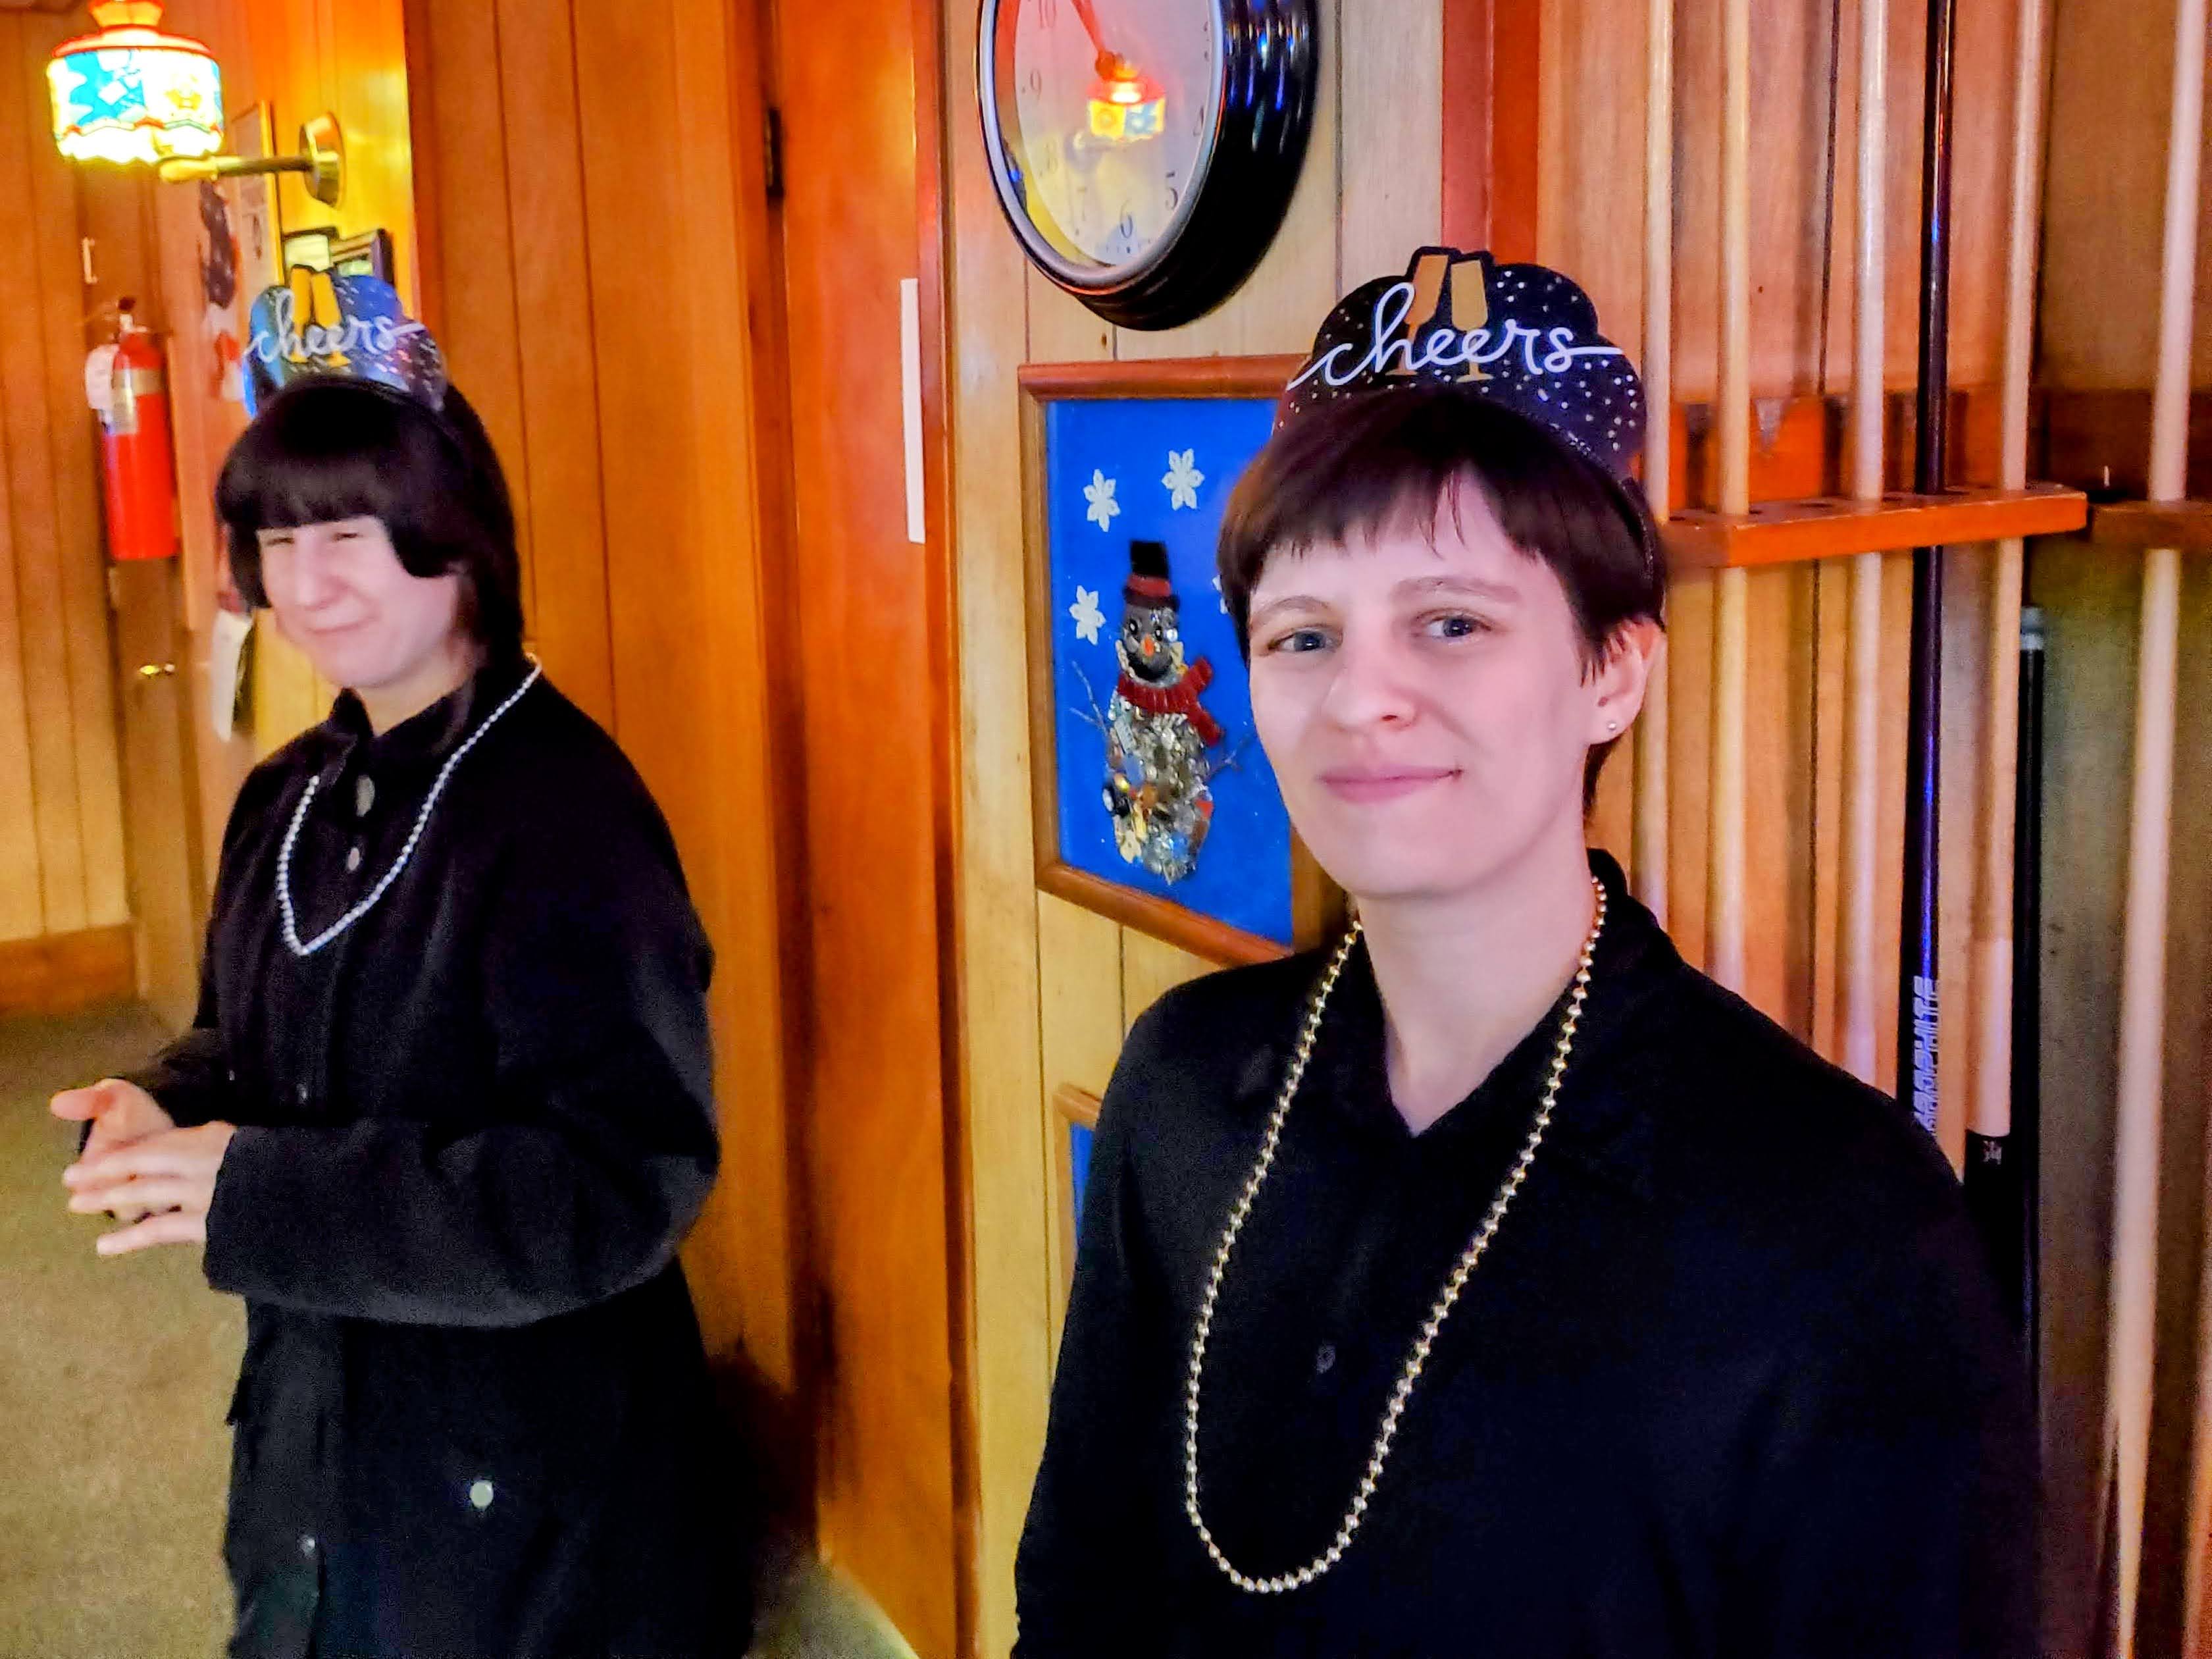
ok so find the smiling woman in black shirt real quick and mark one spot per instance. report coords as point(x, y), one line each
point(447, 1109)
point(1493, 1283)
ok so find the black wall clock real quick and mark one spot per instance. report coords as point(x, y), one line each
point(1146, 151)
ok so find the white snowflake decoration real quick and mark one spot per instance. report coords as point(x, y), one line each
point(1089, 619)
point(1099, 492)
point(1220, 598)
point(1182, 477)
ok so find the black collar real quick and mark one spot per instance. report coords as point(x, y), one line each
point(421, 740)
point(1603, 1122)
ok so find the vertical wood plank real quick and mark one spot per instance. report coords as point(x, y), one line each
point(560, 435)
point(1000, 971)
point(43, 625)
point(1080, 970)
point(476, 322)
point(1061, 328)
point(1389, 70)
point(1150, 969)
point(21, 907)
point(1689, 733)
point(83, 589)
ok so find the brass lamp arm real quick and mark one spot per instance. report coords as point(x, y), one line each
point(321, 162)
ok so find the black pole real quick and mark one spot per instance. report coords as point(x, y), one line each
point(2028, 989)
point(1918, 1000)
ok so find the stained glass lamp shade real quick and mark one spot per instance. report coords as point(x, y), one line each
point(133, 94)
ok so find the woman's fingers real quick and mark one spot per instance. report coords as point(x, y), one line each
point(145, 1196)
point(178, 1227)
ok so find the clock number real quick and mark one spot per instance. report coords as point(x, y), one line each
point(1128, 228)
point(1034, 85)
point(1175, 197)
point(1048, 12)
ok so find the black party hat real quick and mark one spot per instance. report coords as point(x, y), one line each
point(1519, 335)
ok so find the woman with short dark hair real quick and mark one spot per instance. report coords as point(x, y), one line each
point(447, 1107)
point(1493, 1283)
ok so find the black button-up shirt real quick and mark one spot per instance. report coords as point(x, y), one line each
point(1731, 1381)
point(473, 1415)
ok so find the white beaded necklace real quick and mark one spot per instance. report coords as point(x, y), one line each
point(414, 836)
point(1411, 1372)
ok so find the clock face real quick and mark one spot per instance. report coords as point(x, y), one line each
point(1106, 115)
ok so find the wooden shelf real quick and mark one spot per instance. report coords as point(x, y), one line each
point(2185, 525)
point(1788, 531)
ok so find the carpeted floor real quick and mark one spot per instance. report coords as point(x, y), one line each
point(113, 1377)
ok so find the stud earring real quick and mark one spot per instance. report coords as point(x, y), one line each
point(1613, 725)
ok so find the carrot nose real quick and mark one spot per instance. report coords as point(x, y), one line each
point(1150, 647)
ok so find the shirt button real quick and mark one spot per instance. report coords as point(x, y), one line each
point(301, 1094)
point(480, 1495)
point(353, 859)
point(1325, 1359)
point(308, 1545)
point(364, 795)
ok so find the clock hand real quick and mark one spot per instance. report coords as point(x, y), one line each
point(1112, 66)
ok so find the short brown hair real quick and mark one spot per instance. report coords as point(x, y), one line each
point(1355, 468)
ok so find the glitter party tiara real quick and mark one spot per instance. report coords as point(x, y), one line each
point(1519, 335)
point(320, 324)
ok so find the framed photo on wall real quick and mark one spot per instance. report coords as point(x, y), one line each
point(1153, 801)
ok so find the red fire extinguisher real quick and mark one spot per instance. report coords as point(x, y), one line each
point(135, 451)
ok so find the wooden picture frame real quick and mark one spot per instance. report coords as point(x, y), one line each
point(1313, 904)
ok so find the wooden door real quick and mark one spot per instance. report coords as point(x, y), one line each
point(856, 83)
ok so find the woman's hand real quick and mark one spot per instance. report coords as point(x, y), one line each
point(166, 1177)
point(119, 1114)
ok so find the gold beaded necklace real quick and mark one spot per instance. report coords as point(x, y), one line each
point(1410, 1372)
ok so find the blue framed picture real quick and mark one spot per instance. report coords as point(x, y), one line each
point(1155, 803)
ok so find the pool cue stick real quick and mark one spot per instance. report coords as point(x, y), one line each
point(1724, 888)
point(2143, 937)
point(1917, 997)
point(2028, 988)
point(1648, 851)
point(1994, 1179)
point(1862, 675)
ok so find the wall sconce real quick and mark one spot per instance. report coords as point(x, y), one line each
point(131, 94)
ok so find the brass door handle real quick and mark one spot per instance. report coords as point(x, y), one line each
point(155, 670)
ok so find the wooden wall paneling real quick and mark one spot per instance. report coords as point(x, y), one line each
point(553, 313)
point(2103, 198)
point(1591, 188)
point(22, 906)
point(1284, 300)
point(1831, 645)
point(1389, 66)
point(867, 636)
point(38, 527)
point(747, 1239)
point(1893, 700)
point(64, 973)
point(1779, 891)
point(1079, 955)
point(362, 78)
point(1003, 1077)
point(1061, 328)
point(1150, 969)
point(78, 548)
point(474, 317)
point(1689, 742)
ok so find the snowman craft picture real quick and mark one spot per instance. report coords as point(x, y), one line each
point(1162, 748)
point(1160, 786)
